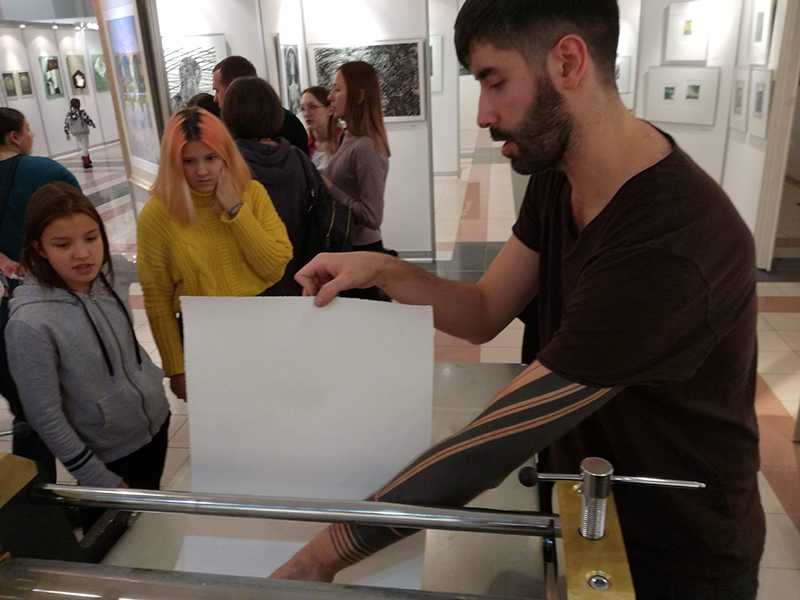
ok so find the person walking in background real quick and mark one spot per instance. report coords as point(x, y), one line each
point(89, 389)
point(233, 67)
point(77, 124)
point(20, 176)
point(323, 127)
point(254, 116)
point(208, 230)
point(356, 174)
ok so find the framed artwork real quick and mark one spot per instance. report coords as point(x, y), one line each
point(760, 96)
point(100, 71)
point(76, 67)
point(740, 100)
point(436, 64)
point(189, 61)
point(399, 67)
point(622, 70)
point(682, 95)
point(130, 69)
point(761, 32)
point(51, 72)
point(290, 77)
point(687, 32)
point(25, 87)
point(9, 85)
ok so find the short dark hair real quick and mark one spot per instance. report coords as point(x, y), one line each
point(51, 202)
point(75, 103)
point(11, 121)
point(233, 67)
point(206, 101)
point(252, 109)
point(534, 26)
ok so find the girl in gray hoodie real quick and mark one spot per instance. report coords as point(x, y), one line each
point(87, 387)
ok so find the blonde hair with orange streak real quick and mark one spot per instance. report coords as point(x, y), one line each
point(194, 125)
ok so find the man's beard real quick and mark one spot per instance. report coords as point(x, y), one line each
point(544, 136)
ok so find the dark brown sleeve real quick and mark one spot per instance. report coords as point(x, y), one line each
point(527, 416)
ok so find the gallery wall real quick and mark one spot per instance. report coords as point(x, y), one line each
point(630, 13)
point(14, 59)
point(408, 215)
point(793, 167)
point(445, 103)
point(745, 153)
point(705, 143)
point(282, 24)
point(103, 98)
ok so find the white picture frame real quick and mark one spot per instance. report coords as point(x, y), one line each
point(682, 95)
point(760, 99)
point(740, 100)
point(761, 32)
point(436, 64)
point(401, 61)
point(622, 69)
point(687, 32)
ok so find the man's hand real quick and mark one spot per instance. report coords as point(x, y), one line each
point(10, 268)
point(330, 274)
point(177, 383)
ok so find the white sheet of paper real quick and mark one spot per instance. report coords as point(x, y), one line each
point(287, 399)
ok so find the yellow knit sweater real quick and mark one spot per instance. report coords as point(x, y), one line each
point(214, 256)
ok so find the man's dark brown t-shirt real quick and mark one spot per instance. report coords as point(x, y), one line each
point(657, 294)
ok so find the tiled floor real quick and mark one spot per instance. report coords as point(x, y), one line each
point(474, 215)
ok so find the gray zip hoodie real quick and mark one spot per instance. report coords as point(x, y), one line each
point(87, 387)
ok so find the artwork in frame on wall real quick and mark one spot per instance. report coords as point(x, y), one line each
point(399, 68)
point(76, 67)
point(290, 77)
point(9, 85)
point(622, 73)
point(100, 70)
point(761, 32)
point(53, 86)
point(740, 100)
point(25, 87)
point(682, 95)
point(687, 32)
point(436, 64)
point(189, 61)
point(760, 96)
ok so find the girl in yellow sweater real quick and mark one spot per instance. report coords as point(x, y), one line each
point(208, 230)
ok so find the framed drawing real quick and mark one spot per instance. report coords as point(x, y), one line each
point(53, 87)
point(189, 61)
point(760, 95)
point(9, 85)
point(100, 72)
point(399, 67)
point(436, 64)
point(740, 100)
point(76, 68)
point(25, 87)
point(682, 95)
point(622, 70)
point(761, 32)
point(687, 32)
point(290, 77)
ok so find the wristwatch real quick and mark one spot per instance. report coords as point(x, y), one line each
point(234, 210)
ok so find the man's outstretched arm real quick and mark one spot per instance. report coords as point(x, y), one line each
point(533, 411)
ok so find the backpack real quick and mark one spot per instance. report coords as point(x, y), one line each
point(328, 224)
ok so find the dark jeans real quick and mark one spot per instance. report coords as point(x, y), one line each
point(373, 293)
point(671, 586)
point(141, 470)
point(25, 441)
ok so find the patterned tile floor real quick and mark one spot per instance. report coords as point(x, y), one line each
point(474, 215)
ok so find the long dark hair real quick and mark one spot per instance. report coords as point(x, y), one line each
point(50, 202)
point(364, 107)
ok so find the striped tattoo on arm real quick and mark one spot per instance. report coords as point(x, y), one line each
point(537, 408)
